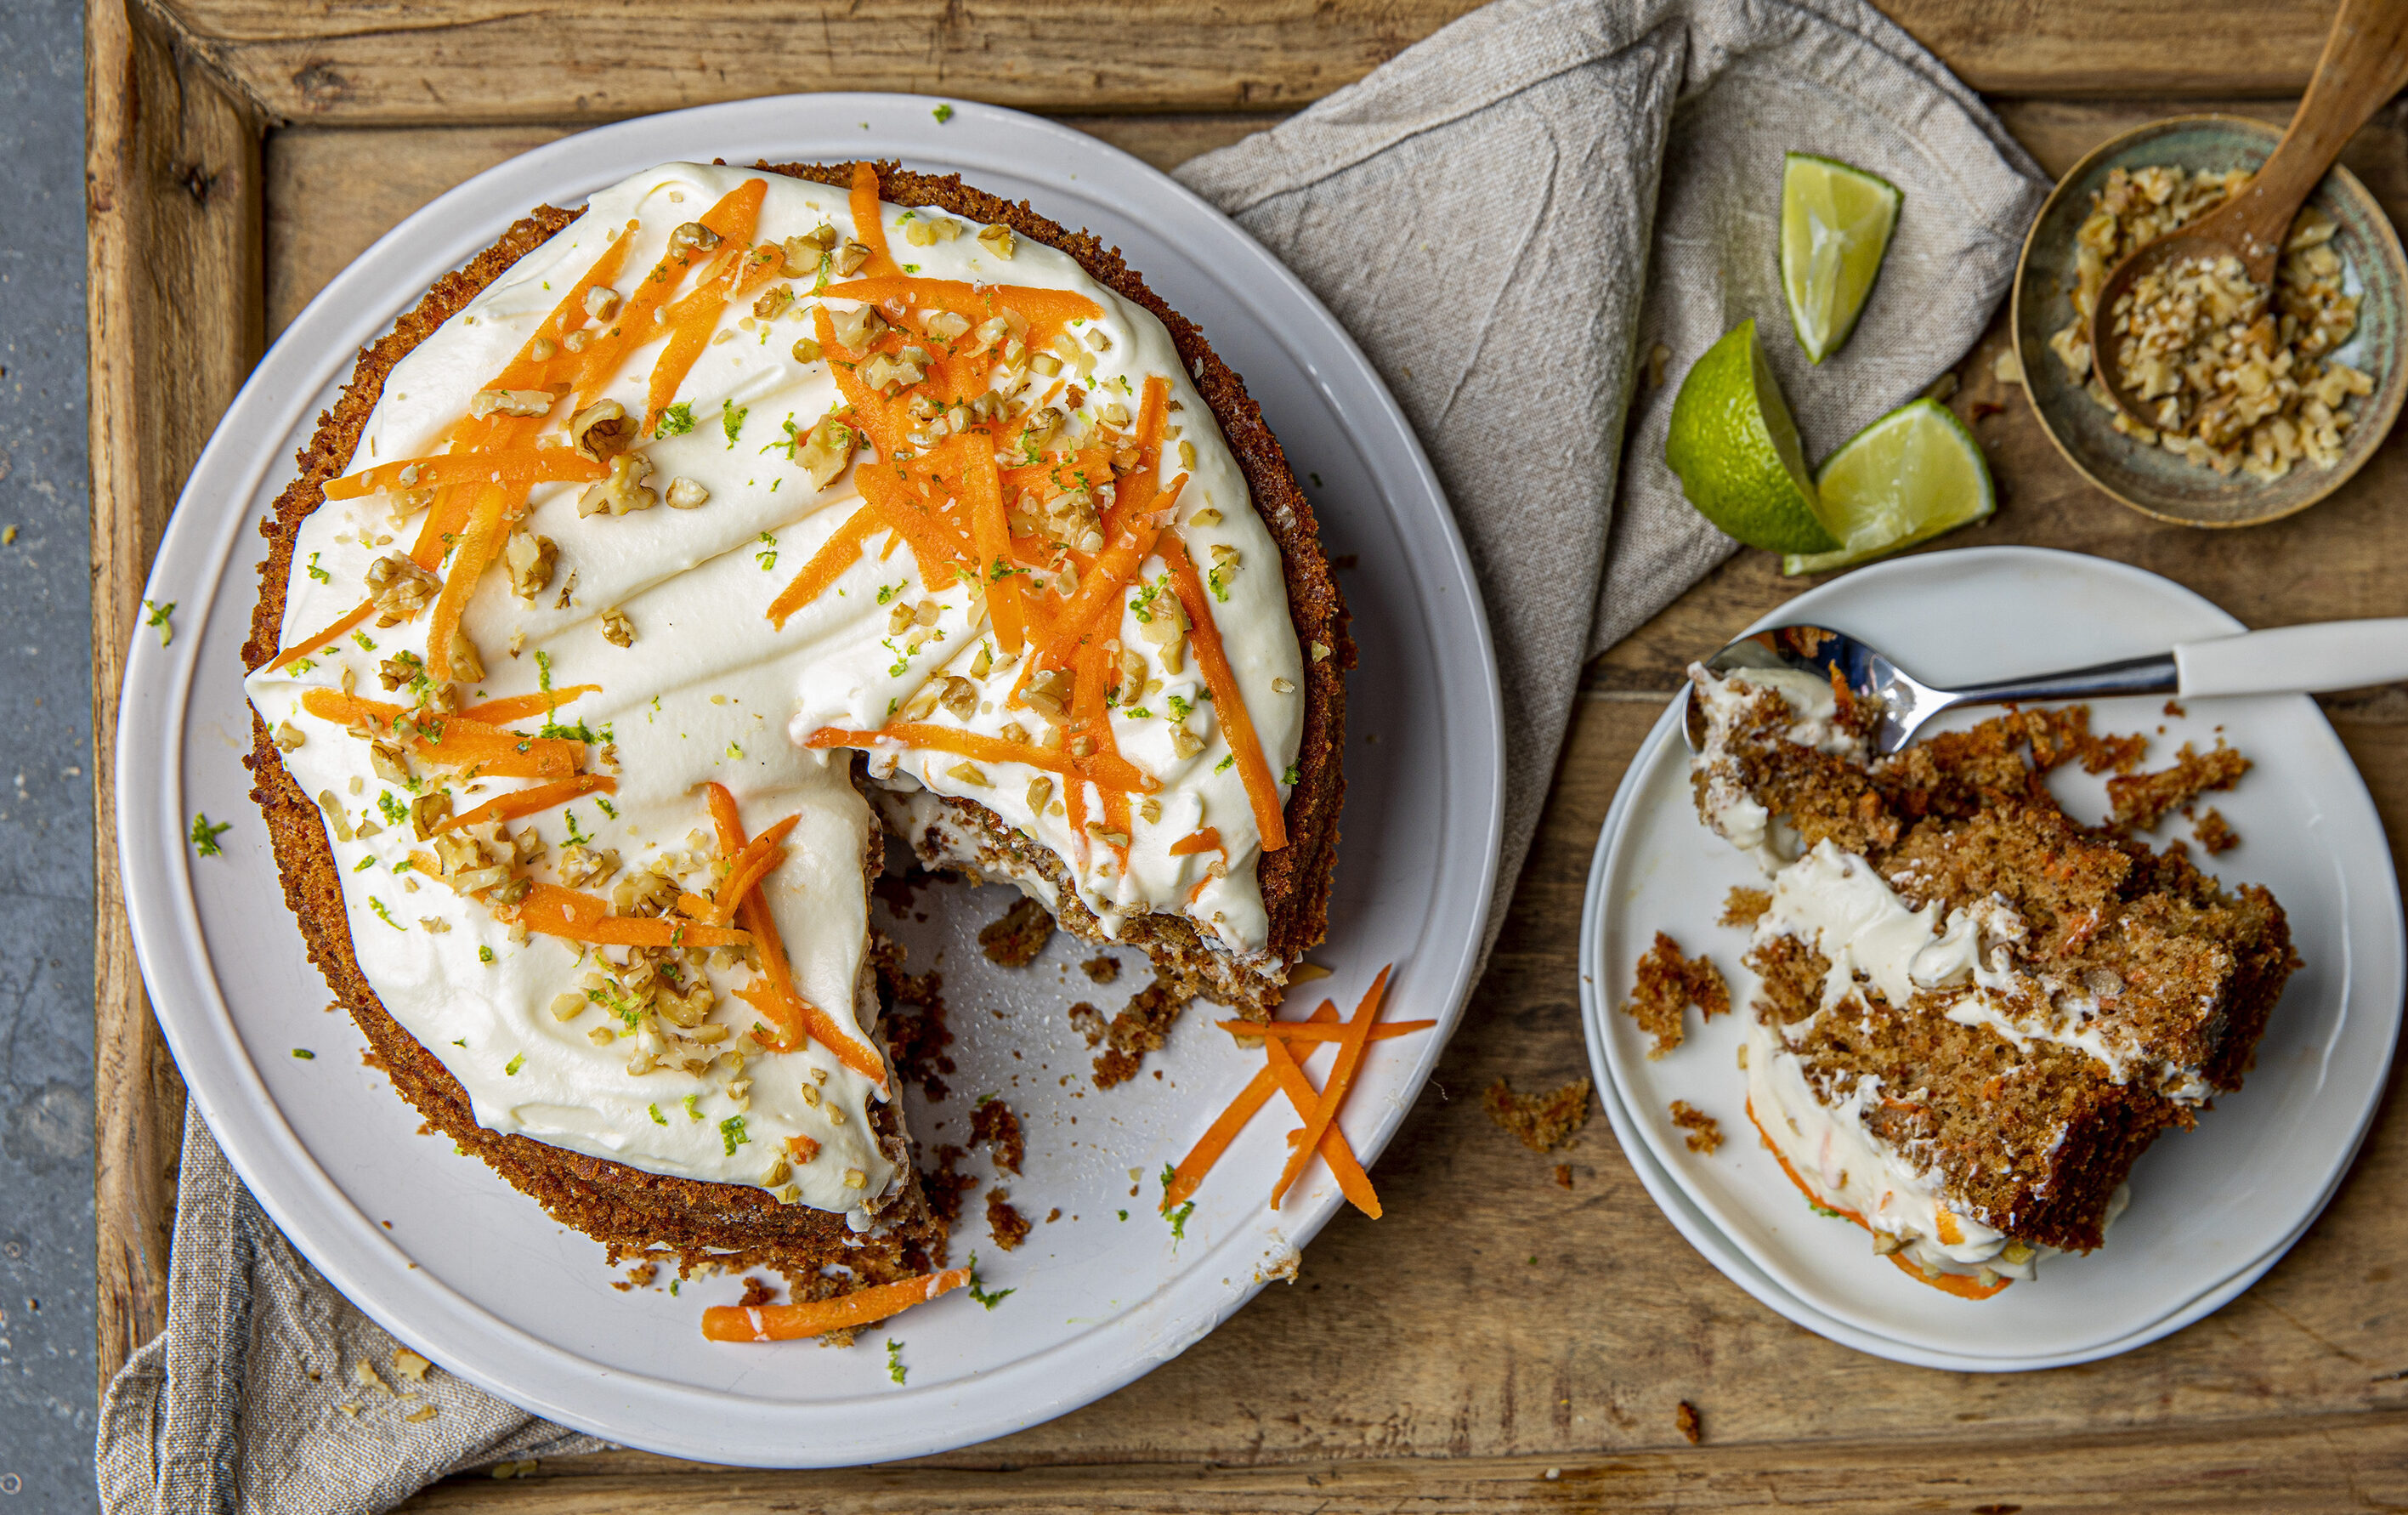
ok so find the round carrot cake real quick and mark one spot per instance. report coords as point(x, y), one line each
point(675, 551)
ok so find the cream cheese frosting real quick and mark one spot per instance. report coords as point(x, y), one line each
point(666, 609)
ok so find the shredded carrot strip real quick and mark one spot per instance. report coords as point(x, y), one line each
point(342, 708)
point(1110, 773)
point(554, 911)
point(1189, 1176)
point(306, 645)
point(527, 706)
point(444, 519)
point(1318, 1030)
point(1093, 721)
point(634, 326)
point(1108, 579)
point(692, 321)
point(1206, 839)
point(904, 517)
point(1352, 1180)
point(982, 495)
point(1333, 1094)
point(870, 223)
point(836, 554)
point(459, 741)
point(526, 371)
point(477, 549)
point(868, 407)
point(527, 801)
point(788, 1323)
point(748, 868)
point(1229, 704)
point(521, 465)
point(1037, 307)
point(774, 994)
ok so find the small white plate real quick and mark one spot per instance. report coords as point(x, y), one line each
point(477, 1277)
point(2211, 1209)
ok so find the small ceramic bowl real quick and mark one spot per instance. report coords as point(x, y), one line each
point(2150, 479)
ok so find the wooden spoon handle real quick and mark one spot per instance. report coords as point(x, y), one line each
point(2364, 64)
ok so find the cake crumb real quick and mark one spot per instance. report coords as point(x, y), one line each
point(916, 1032)
point(757, 1293)
point(642, 1275)
point(2213, 833)
point(1008, 1226)
point(2142, 800)
point(945, 1188)
point(1014, 941)
point(1745, 907)
point(1563, 1176)
point(1542, 1121)
point(2174, 708)
point(1704, 1133)
point(1141, 1029)
point(1101, 969)
point(1668, 984)
point(1087, 1022)
point(994, 1123)
point(2063, 735)
point(1684, 1414)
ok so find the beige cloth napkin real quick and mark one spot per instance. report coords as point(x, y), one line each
point(1508, 217)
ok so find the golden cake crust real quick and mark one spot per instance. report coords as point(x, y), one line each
point(627, 1209)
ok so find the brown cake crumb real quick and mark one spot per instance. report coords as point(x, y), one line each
point(916, 1034)
point(2063, 735)
point(1542, 1121)
point(1563, 1176)
point(2213, 833)
point(1704, 1133)
point(757, 1293)
point(1014, 941)
point(2141, 800)
point(1668, 985)
point(642, 1275)
point(1684, 1414)
point(1745, 907)
point(2174, 708)
point(1141, 1029)
point(1102, 970)
point(994, 1123)
point(1087, 1022)
point(945, 1188)
point(1008, 1226)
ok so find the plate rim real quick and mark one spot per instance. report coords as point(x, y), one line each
point(1729, 1257)
point(325, 1224)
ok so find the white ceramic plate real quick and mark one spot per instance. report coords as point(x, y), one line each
point(475, 1275)
point(2213, 1208)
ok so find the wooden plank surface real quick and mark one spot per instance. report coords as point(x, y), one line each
point(455, 61)
point(174, 285)
point(1452, 1363)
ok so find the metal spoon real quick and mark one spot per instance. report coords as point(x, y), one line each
point(2365, 62)
point(2290, 660)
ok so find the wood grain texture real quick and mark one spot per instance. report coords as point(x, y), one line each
point(173, 208)
point(453, 61)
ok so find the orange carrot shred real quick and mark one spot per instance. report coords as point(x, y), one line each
point(1352, 1180)
point(984, 490)
point(836, 554)
point(306, 645)
point(511, 807)
point(1316, 1030)
point(1333, 1094)
point(788, 1323)
point(870, 223)
point(477, 550)
point(527, 706)
point(1229, 704)
point(522, 465)
point(550, 910)
point(1107, 771)
point(1206, 839)
point(1039, 307)
point(1189, 1175)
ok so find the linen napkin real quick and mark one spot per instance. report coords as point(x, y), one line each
point(1511, 217)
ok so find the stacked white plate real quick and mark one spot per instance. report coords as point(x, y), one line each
point(2213, 1208)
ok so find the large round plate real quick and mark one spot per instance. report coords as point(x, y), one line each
point(476, 1276)
point(2213, 1208)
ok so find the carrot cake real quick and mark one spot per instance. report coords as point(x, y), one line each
point(1973, 1013)
point(673, 545)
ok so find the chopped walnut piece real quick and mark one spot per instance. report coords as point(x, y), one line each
point(623, 491)
point(429, 810)
point(693, 237)
point(773, 302)
point(826, 451)
point(857, 329)
point(686, 495)
point(486, 402)
point(601, 303)
point(601, 430)
point(997, 240)
point(617, 629)
point(850, 258)
point(530, 560)
point(400, 588)
point(289, 737)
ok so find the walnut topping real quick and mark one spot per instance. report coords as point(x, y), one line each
point(336, 819)
point(997, 240)
point(826, 451)
point(968, 773)
point(601, 303)
point(543, 349)
point(1282, 686)
point(927, 231)
point(289, 737)
point(693, 237)
point(391, 761)
point(582, 865)
point(806, 250)
point(1320, 652)
point(602, 430)
point(486, 402)
point(1183, 742)
point(686, 495)
point(1040, 789)
point(617, 629)
point(857, 329)
point(466, 662)
point(960, 697)
point(890, 374)
point(429, 810)
point(1208, 516)
point(400, 588)
point(807, 349)
point(623, 491)
point(1050, 693)
point(530, 560)
point(855, 1178)
point(850, 258)
point(773, 302)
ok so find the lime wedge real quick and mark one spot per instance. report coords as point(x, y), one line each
point(1736, 450)
point(1835, 225)
point(1910, 476)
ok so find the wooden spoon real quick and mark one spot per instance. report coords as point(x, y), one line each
point(2364, 64)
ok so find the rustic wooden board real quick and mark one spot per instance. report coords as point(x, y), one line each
point(1451, 1365)
point(449, 62)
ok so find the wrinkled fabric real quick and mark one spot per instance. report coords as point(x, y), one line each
point(1512, 216)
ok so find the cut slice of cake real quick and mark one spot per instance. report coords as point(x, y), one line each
point(1974, 1013)
point(667, 547)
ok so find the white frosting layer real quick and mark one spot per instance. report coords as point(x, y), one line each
point(709, 690)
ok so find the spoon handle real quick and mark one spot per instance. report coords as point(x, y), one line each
point(2154, 674)
point(2364, 63)
point(2291, 659)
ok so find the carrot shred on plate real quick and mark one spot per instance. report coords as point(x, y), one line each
point(1333, 1094)
point(788, 1323)
point(1318, 1030)
point(1189, 1176)
point(1352, 1180)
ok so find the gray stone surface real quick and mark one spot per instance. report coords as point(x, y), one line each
point(46, 1236)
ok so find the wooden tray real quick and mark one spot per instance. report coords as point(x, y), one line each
point(1532, 1353)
